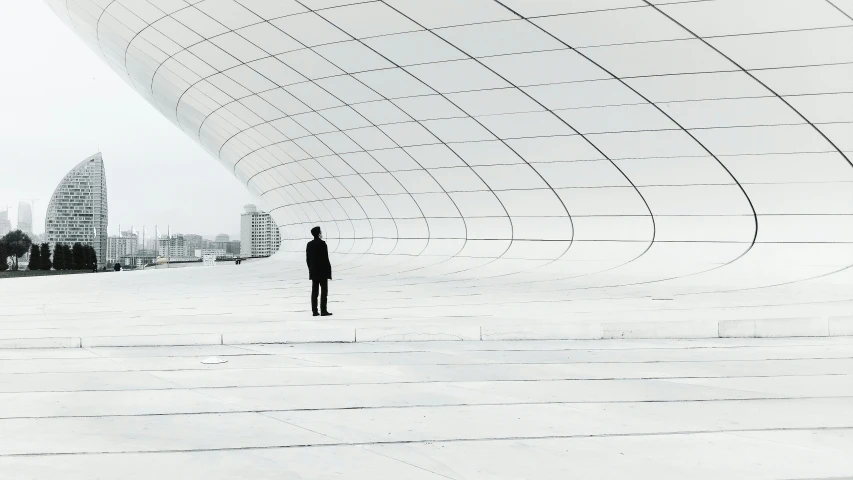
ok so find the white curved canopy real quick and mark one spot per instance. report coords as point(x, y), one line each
point(595, 143)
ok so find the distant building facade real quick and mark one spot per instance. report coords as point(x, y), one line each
point(25, 218)
point(233, 247)
point(124, 245)
point(193, 242)
point(5, 224)
point(216, 252)
point(220, 241)
point(143, 257)
point(139, 260)
point(77, 211)
point(259, 234)
point(172, 247)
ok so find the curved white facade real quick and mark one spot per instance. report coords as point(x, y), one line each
point(78, 210)
point(699, 145)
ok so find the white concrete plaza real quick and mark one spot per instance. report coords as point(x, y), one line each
point(264, 301)
point(722, 408)
point(752, 408)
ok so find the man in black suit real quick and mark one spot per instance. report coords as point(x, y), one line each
point(319, 271)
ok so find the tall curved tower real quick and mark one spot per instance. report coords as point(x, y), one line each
point(77, 211)
point(587, 143)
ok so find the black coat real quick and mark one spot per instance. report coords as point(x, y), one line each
point(317, 257)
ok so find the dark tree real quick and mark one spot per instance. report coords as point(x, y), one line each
point(63, 258)
point(87, 257)
point(17, 245)
point(93, 258)
point(35, 258)
point(44, 253)
point(78, 261)
point(4, 258)
point(59, 256)
point(68, 253)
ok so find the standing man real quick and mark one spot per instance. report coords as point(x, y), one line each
point(319, 271)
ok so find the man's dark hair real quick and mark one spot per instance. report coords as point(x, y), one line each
point(315, 231)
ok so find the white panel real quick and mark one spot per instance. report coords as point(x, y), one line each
point(591, 144)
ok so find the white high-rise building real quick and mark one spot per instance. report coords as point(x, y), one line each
point(25, 218)
point(259, 235)
point(124, 245)
point(77, 211)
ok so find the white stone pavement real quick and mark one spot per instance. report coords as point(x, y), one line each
point(267, 301)
point(717, 408)
point(142, 392)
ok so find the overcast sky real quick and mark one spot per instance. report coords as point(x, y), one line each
point(60, 103)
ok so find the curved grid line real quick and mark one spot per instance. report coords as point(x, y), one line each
point(502, 140)
point(668, 116)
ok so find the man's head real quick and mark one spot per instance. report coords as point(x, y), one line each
point(316, 232)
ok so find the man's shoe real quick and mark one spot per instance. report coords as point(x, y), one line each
point(325, 314)
point(316, 314)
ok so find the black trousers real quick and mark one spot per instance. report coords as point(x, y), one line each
point(316, 285)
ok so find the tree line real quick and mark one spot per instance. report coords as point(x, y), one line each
point(16, 244)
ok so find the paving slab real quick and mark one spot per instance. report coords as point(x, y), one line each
point(768, 455)
point(351, 462)
point(149, 433)
point(468, 397)
point(264, 302)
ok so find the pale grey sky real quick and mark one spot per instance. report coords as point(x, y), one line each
point(60, 103)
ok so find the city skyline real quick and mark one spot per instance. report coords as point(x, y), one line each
point(153, 168)
point(149, 231)
point(14, 221)
point(12, 212)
